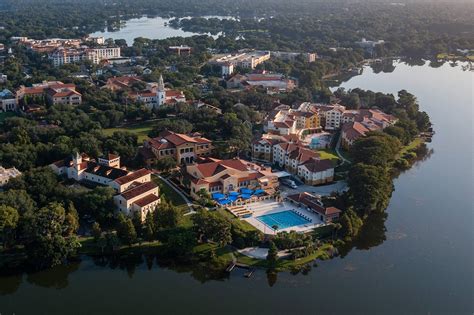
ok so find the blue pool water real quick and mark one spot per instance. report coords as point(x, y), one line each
point(283, 220)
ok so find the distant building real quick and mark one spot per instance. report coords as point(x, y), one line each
point(8, 173)
point(55, 92)
point(309, 57)
point(63, 55)
point(135, 190)
point(154, 95)
point(272, 82)
point(8, 101)
point(181, 50)
point(247, 60)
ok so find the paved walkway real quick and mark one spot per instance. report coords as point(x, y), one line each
point(179, 192)
point(338, 146)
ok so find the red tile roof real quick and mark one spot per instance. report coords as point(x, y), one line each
point(145, 201)
point(138, 190)
point(313, 203)
point(132, 177)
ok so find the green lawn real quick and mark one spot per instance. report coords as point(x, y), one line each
point(327, 154)
point(412, 145)
point(169, 193)
point(141, 130)
point(284, 264)
point(243, 225)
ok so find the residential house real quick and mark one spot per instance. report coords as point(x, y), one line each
point(314, 204)
point(224, 176)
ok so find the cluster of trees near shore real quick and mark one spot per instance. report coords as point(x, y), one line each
point(376, 155)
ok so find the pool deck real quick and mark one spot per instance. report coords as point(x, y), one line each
point(270, 206)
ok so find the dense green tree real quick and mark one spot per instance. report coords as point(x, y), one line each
point(126, 230)
point(9, 218)
point(96, 231)
point(375, 149)
point(167, 216)
point(272, 255)
point(211, 226)
point(46, 241)
point(350, 224)
point(370, 187)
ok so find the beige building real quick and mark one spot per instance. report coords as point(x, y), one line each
point(135, 190)
point(225, 176)
point(184, 149)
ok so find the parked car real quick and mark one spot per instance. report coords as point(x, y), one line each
point(289, 183)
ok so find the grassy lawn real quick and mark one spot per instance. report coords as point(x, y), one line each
point(327, 154)
point(141, 130)
point(5, 115)
point(243, 225)
point(169, 193)
point(284, 264)
point(412, 145)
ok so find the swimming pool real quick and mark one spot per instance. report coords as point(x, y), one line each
point(283, 220)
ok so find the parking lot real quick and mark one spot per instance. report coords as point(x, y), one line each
point(324, 190)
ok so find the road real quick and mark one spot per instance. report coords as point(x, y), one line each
point(179, 192)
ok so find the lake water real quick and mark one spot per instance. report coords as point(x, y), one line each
point(152, 28)
point(419, 260)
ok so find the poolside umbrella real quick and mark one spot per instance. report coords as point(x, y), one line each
point(245, 196)
point(246, 191)
point(259, 192)
point(233, 193)
point(218, 196)
point(224, 201)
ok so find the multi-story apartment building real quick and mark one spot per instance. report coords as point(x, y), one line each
point(357, 123)
point(64, 55)
point(287, 121)
point(184, 149)
point(308, 57)
point(225, 176)
point(262, 149)
point(249, 60)
point(304, 163)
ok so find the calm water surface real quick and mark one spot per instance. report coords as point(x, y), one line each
point(152, 28)
point(420, 260)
